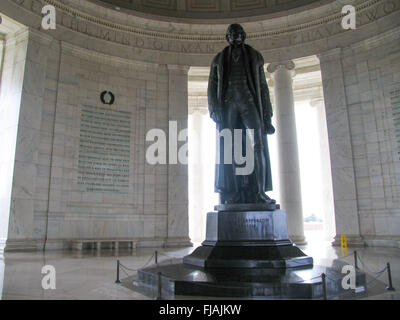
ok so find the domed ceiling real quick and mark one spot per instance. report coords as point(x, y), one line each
point(209, 9)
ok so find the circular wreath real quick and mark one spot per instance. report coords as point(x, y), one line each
point(111, 95)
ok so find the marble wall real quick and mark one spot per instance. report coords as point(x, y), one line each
point(371, 73)
point(48, 206)
point(358, 83)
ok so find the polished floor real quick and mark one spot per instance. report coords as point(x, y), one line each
point(91, 274)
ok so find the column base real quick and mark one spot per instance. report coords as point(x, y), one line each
point(174, 242)
point(299, 240)
point(382, 241)
point(2, 245)
point(20, 245)
point(355, 241)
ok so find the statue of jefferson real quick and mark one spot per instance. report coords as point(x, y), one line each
point(238, 98)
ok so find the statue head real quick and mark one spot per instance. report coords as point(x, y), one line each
point(235, 35)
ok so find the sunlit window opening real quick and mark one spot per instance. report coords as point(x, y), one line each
point(312, 141)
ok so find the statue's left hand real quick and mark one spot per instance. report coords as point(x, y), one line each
point(216, 115)
point(269, 128)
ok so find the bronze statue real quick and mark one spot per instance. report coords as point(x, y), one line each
point(238, 98)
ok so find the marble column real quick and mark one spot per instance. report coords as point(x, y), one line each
point(178, 203)
point(197, 208)
point(13, 66)
point(341, 153)
point(325, 164)
point(288, 154)
point(21, 102)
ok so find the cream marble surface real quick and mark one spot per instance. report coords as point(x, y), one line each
point(91, 275)
point(288, 154)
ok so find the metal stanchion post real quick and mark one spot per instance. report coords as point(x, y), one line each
point(355, 260)
point(156, 257)
point(117, 281)
point(159, 293)
point(323, 276)
point(390, 286)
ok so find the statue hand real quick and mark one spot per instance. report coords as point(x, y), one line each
point(216, 116)
point(269, 128)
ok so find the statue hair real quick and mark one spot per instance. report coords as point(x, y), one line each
point(232, 26)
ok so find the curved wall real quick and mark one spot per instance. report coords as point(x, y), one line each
point(301, 33)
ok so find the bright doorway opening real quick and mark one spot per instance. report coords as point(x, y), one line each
point(314, 159)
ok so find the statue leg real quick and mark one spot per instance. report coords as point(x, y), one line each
point(251, 120)
point(231, 118)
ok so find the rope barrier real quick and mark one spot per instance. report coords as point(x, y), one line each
point(134, 270)
point(367, 269)
point(330, 278)
point(123, 268)
point(376, 277)
point(125, 272)
point(390, 286)
point(168, 256)
point(324, 289)
point(159, 286)
point(323, 276)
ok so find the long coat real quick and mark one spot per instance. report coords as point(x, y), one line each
point(219, 74)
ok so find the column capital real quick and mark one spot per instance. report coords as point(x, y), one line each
point(317, 102)
point(329, 55)
point(178, 68)
point(20, 35)
point(198, 104)
point(288, 65)
point(40, 37)
point(201, 111)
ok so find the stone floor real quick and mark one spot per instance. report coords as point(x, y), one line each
point(91, 274)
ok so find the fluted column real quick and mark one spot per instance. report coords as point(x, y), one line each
point(288, 154)
point(325, 163)
point(197, 208)
point(341, 151)
point(178, 203)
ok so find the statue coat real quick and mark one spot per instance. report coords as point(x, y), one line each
point(219, 74)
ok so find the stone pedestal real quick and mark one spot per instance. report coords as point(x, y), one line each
point(292, 283)
point(247, 253)
point(240, 238)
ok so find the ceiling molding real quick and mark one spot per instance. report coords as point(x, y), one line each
point(321, 16)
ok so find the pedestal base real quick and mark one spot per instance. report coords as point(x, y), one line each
point(247, 252)
point(247, 239)
point(293, 283)
point(279, 256)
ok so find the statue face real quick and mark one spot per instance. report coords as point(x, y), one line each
point(235, 35)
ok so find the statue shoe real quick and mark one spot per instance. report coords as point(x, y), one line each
point(234, 199)
point(263, 198)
